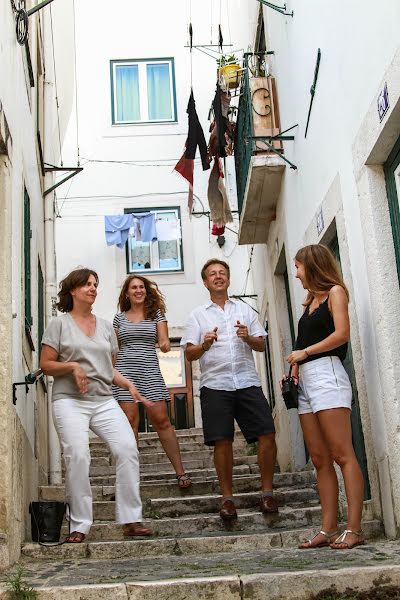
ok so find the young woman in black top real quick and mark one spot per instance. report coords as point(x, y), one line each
point(325, 393)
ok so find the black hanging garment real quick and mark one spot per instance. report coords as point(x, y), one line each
point(185, 166)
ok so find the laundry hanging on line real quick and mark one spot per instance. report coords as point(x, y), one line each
point(167, 230)
point(117, 229)
point(143, 227)
point(185, 166)
point(220, 212)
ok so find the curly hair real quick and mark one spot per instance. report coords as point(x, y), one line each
point(153, 301)
point(75, 279)
point(321, 270)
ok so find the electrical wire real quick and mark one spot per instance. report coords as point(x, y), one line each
point(248, 269)
point(55, 85)
point(162, 162)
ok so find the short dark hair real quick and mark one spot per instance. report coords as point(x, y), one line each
point(214, 261)
point(75, 279)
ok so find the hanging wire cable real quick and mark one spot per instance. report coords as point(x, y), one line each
point(228, 21)
point(248, 269)
point(55, 85)
point(76, 88)
point(211, 32)
point(166, 162)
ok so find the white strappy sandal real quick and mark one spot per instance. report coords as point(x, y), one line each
point(345, 545)
point(324, 543)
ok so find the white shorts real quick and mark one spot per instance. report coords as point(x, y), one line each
point(323, 384)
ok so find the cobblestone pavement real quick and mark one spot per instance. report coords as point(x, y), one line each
point(79, 572)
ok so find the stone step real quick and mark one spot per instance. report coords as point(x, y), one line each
point(249, 577)
point(193, 505)
point(101, 449)
point(250, 520)
point(184, 546)
point(166, 489)
point(177, 507)
point(166, 467)
point(169, 475)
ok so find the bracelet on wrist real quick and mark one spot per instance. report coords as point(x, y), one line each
point(306, 351)
point(202, 347)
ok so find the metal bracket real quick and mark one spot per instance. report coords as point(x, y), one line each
point(280, 9)
point(312, 88)
point(267, 139)
point(241, 296)
point(21, 18)
point(51, 169)
point(14, 390)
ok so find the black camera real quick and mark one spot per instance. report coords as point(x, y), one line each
point(290, 391)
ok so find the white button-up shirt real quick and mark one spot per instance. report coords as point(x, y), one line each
point(228, 364)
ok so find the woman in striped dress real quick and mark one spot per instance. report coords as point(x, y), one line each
point(139, 326)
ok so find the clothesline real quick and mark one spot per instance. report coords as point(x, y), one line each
point(143, 227)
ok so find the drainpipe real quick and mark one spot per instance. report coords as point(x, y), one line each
point(55, 475)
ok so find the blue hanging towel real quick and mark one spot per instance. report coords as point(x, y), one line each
point(117, 229)
point(147, 225)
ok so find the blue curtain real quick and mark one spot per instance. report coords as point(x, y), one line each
point(127, 91)
point(159, 92)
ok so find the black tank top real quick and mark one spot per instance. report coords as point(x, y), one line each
point(316, 327)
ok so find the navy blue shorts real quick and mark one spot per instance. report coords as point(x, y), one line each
point(248, 406)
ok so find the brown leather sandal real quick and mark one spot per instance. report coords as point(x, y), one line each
point(76, 537)
point(184, 481)
point(132, 529)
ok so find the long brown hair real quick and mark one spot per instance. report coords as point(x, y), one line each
point(74, 280)
point(321, 270)
point(153, 301)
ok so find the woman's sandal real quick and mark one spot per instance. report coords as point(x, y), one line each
point(132, 529)
point(324, 543)
point(76, 537)
point(341, 544)
point(184, 481)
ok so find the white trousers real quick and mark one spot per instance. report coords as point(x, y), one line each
point(73, 419)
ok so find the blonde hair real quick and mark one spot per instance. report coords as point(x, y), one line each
point(321, 270)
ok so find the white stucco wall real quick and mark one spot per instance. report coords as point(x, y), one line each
point(24, 466)
point(344, 135)
point(80, 228)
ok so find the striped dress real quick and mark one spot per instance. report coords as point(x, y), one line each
point(137, 358)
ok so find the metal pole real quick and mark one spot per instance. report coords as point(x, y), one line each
point(38, 7)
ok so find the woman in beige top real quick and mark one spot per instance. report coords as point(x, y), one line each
point(78, 351)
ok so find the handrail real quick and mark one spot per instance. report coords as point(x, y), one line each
point(30, 379)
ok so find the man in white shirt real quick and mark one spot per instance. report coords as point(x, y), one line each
point(222, 335)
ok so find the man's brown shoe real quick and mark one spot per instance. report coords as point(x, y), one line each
point(268, 505)
point(228, 511)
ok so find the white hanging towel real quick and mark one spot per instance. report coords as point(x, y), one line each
point(167, 230)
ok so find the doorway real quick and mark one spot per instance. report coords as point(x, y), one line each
point(177, 374)
point(392, 175)
point(356, 426)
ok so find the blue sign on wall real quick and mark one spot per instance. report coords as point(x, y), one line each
point(383, 102)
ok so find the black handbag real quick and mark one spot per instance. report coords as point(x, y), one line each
point(290, 391)
point(46, 521)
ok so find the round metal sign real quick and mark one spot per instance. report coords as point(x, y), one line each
point(22, 26)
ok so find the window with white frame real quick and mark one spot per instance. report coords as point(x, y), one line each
point(143, 91)
point(161, 254)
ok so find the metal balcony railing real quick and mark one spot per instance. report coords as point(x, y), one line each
point(258, 124)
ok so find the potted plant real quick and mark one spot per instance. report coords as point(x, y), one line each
point(228, 70)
